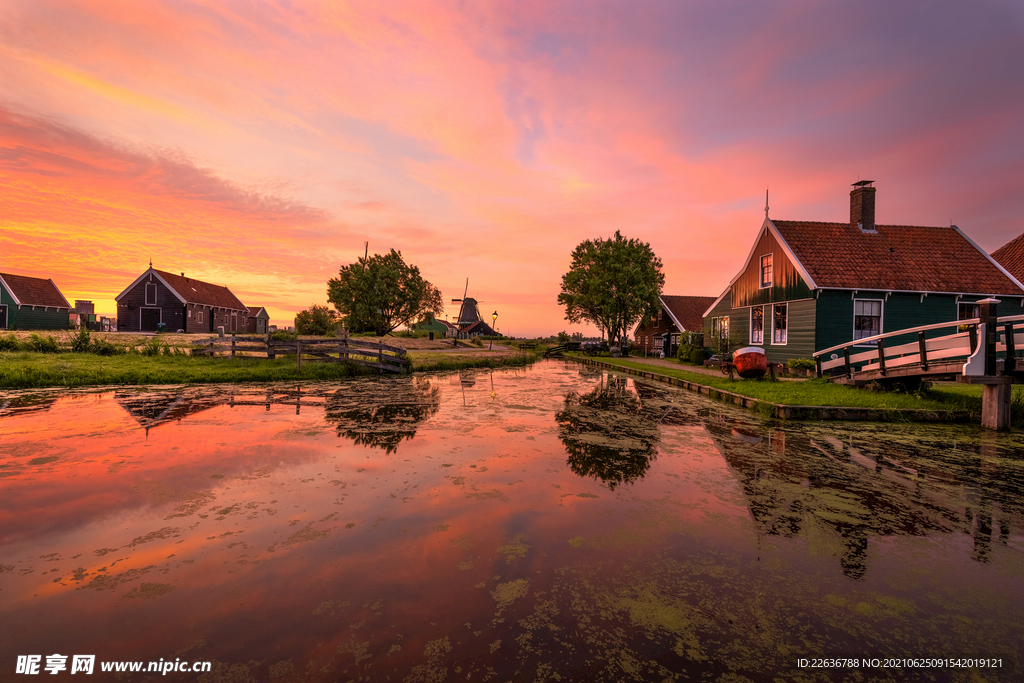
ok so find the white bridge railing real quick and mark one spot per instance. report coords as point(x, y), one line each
point(925, 352)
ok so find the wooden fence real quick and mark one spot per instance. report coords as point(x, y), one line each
point(341, 350)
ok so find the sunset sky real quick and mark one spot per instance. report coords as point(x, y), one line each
point(260, 145)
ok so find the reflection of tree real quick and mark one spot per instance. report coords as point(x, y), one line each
point(381, 414)
point(607, 435)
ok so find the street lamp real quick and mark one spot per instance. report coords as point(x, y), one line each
point(494, 317)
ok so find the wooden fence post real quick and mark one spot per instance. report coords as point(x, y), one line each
point(232, 344)
point(270, 347)
point(1011, 351)
point(922, 348)
point(298, 354)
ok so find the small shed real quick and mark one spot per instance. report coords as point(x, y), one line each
point(32, 303)
point(258, 320)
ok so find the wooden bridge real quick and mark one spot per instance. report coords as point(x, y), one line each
point(980, 350)
point(343, 349)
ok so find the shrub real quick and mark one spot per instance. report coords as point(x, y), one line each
point(153, 347)
point(284, 335)
point(802, 364)
point(102, 347)
point(477, 341)
point(10, 343)
point(45, 344)
point(81, 342)
point(697, 355)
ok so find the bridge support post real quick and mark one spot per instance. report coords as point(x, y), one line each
point(995, 405)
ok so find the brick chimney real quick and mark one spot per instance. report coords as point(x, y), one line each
point(862, 205)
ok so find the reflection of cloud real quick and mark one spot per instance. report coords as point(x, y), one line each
point(607, 434)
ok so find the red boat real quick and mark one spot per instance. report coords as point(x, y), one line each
point(750, 362)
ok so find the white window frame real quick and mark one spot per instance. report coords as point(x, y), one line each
point(759, 342)
point(881, 321)
point(760, 272)
point(155, 294)
point(784, 342)
point(199, 316)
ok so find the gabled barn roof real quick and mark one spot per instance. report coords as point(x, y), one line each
point(34, 291)
point(254, 311)
point(687, 312)
point(1011, 257)
point(192, 291)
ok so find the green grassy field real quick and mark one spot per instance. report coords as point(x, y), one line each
point(27, 369)
point(824, 393)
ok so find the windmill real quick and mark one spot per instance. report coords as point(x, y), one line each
point(469, 314)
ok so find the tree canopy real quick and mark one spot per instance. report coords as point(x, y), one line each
point(612, 283)
point(317, 319)
point(381, 293)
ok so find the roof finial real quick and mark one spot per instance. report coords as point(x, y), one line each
point(150, 261)
point(766, 201)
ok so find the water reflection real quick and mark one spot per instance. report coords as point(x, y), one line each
point(683, 539)
point(607, 432)
point(873, 482)
point(382, 414)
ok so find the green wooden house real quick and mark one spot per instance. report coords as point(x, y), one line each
point(806, 286)
point(32, 303)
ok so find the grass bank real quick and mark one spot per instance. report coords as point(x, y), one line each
point(26, 370)
point(31, 370)
point(823, 393)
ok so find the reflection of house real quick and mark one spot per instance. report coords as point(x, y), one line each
point(841, 495)
point(155, 408)
point(807, 286)
point(31, 303)
point(257, 321)
point(676, 315)
point(180, 303)
point(18, 405)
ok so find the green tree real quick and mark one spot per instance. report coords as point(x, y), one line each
point(319, 320)
point(612, 283)
point(381, 293)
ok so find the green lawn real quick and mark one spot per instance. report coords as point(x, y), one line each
point(27, 369)
point(824, 393)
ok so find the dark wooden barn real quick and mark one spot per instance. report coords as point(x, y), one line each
point(180, 303)
point(32, 303)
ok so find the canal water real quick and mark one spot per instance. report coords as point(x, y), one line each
point(553, 523)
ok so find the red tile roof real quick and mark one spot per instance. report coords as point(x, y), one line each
point(688, 310)
point(1011, 257)
point(198, 292)
point(34, 291)
point(897, 257)
point(255, 311)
